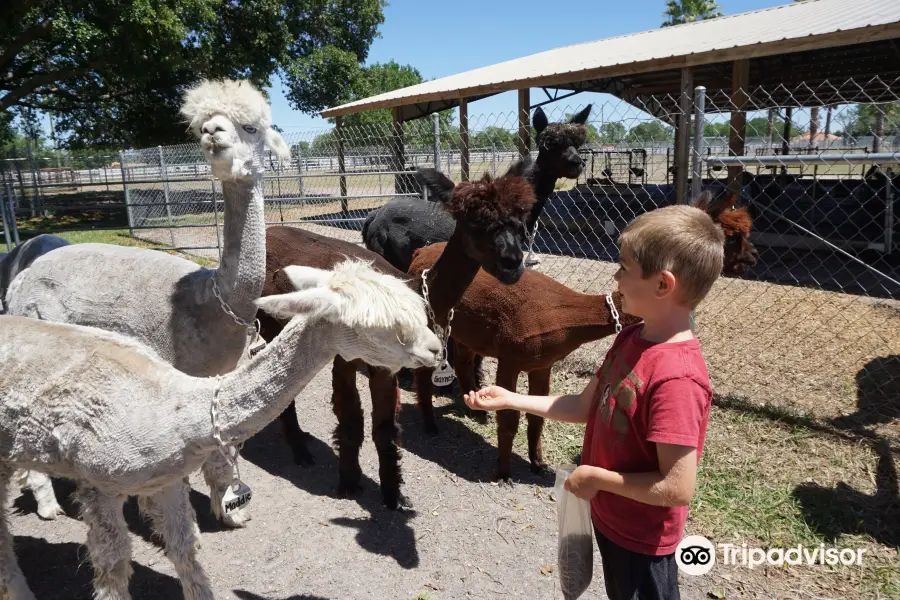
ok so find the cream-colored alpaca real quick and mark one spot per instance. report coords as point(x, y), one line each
point(164, 301)
point(110, 415)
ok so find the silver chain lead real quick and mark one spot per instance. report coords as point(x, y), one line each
point(229, 452)
point(252, 328)
point(443, 334)
point(614, 312)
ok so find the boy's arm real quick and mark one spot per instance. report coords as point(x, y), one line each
point(572, 408)
point(672, 485)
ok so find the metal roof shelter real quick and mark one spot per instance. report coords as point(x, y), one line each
point(777, 57)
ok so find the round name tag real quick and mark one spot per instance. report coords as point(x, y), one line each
point(443, 375)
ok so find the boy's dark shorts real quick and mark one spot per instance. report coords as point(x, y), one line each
point(633, 576)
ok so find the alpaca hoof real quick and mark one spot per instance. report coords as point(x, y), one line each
point(348, 490)
point(237, 520)
point(541, 469)
point(50, 510)
point(503, 480)
point(479, 416)
point(400, 503)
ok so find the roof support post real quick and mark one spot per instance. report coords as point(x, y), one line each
point(524, 128)
point(339, 134)
point(682, 135)
point(740, 82)
point(464, 139)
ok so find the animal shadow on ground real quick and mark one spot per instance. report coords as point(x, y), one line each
point(63, 572)
point(243, 595)
point(383, 532)
point(877, 394)
point(843, 509)
point(459, 449)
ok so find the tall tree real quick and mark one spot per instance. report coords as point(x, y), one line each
point(113, 70)
point(688, 11)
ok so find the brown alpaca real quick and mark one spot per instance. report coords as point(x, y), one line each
point(489, 234)
point(531, 325)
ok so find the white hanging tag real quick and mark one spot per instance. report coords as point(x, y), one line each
point(443, 375)
point(237, 496)
point(257, 344)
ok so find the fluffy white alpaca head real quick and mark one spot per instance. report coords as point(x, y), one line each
point(383, 321)
point(233, 122)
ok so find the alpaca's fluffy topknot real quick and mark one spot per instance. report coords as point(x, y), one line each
point(238, 101)
point(491, 200)
point(558, 136)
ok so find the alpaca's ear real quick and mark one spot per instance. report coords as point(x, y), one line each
point(582, 117)
point(316, 303)
point(539, 120)
point(277, 144)
point(702, 201)
point(439, 186)
point(304, 278)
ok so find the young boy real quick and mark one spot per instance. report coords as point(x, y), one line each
point(647, 406)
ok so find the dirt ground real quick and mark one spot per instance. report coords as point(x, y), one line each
point(465, 538)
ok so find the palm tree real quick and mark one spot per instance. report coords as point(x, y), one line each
point(688, 11)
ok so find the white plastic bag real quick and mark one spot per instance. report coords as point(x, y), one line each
point(576, 540)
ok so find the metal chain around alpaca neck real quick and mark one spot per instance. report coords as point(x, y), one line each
point(229, 451)
point(614, 312)
point(443, 334)
point(252, 328)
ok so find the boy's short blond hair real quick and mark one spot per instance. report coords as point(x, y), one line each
point(680, 239)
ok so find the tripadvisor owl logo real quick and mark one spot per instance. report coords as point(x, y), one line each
point(695, 555)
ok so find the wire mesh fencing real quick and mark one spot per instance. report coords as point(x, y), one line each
point(813, 323)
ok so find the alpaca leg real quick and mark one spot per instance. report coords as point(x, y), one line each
point(464, 367)
point(424, 394)
point(42, 489)
point(173, 519)
point(295, 436)
point(385, 391)
point(538, 385)
point(12, 582)
point(219, 474)
point(507, 422)
point(348, 435)
point(108, 543)
point(150, 508)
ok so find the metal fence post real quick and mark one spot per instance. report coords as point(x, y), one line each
point(127, 196)
point(300, 170)
point(6, 234)
point(165, 177)
point(10, 198)
point(436, 129)
point(699, 110)
point(216, 218)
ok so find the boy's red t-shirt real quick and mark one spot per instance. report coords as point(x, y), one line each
point(648, 393)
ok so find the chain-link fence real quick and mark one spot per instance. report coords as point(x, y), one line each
point(814, 321)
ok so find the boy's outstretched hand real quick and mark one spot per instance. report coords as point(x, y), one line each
point(492, 397)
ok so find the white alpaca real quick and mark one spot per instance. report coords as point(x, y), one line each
point(166, 302)
point(109, 414)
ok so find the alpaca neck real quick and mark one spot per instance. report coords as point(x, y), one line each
point(257, 392)
point(542, 179)
point(451, 275)
point(590, 319)
point(242, 272)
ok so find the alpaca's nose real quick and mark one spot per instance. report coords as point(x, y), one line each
point(212, 128)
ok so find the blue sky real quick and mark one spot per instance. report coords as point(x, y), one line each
point(442, 39)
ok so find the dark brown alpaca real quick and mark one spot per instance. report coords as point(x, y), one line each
point(531, 325)
point(489, 217)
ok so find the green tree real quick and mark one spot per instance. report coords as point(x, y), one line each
point(650, 131)
point(688, 11)
point(113, 71)
point(613, 133)
point(861, 119)
point(495, 137)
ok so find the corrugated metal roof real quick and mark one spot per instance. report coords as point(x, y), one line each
point(811, 24)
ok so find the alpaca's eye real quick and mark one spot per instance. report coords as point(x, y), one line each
point(249, 128)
